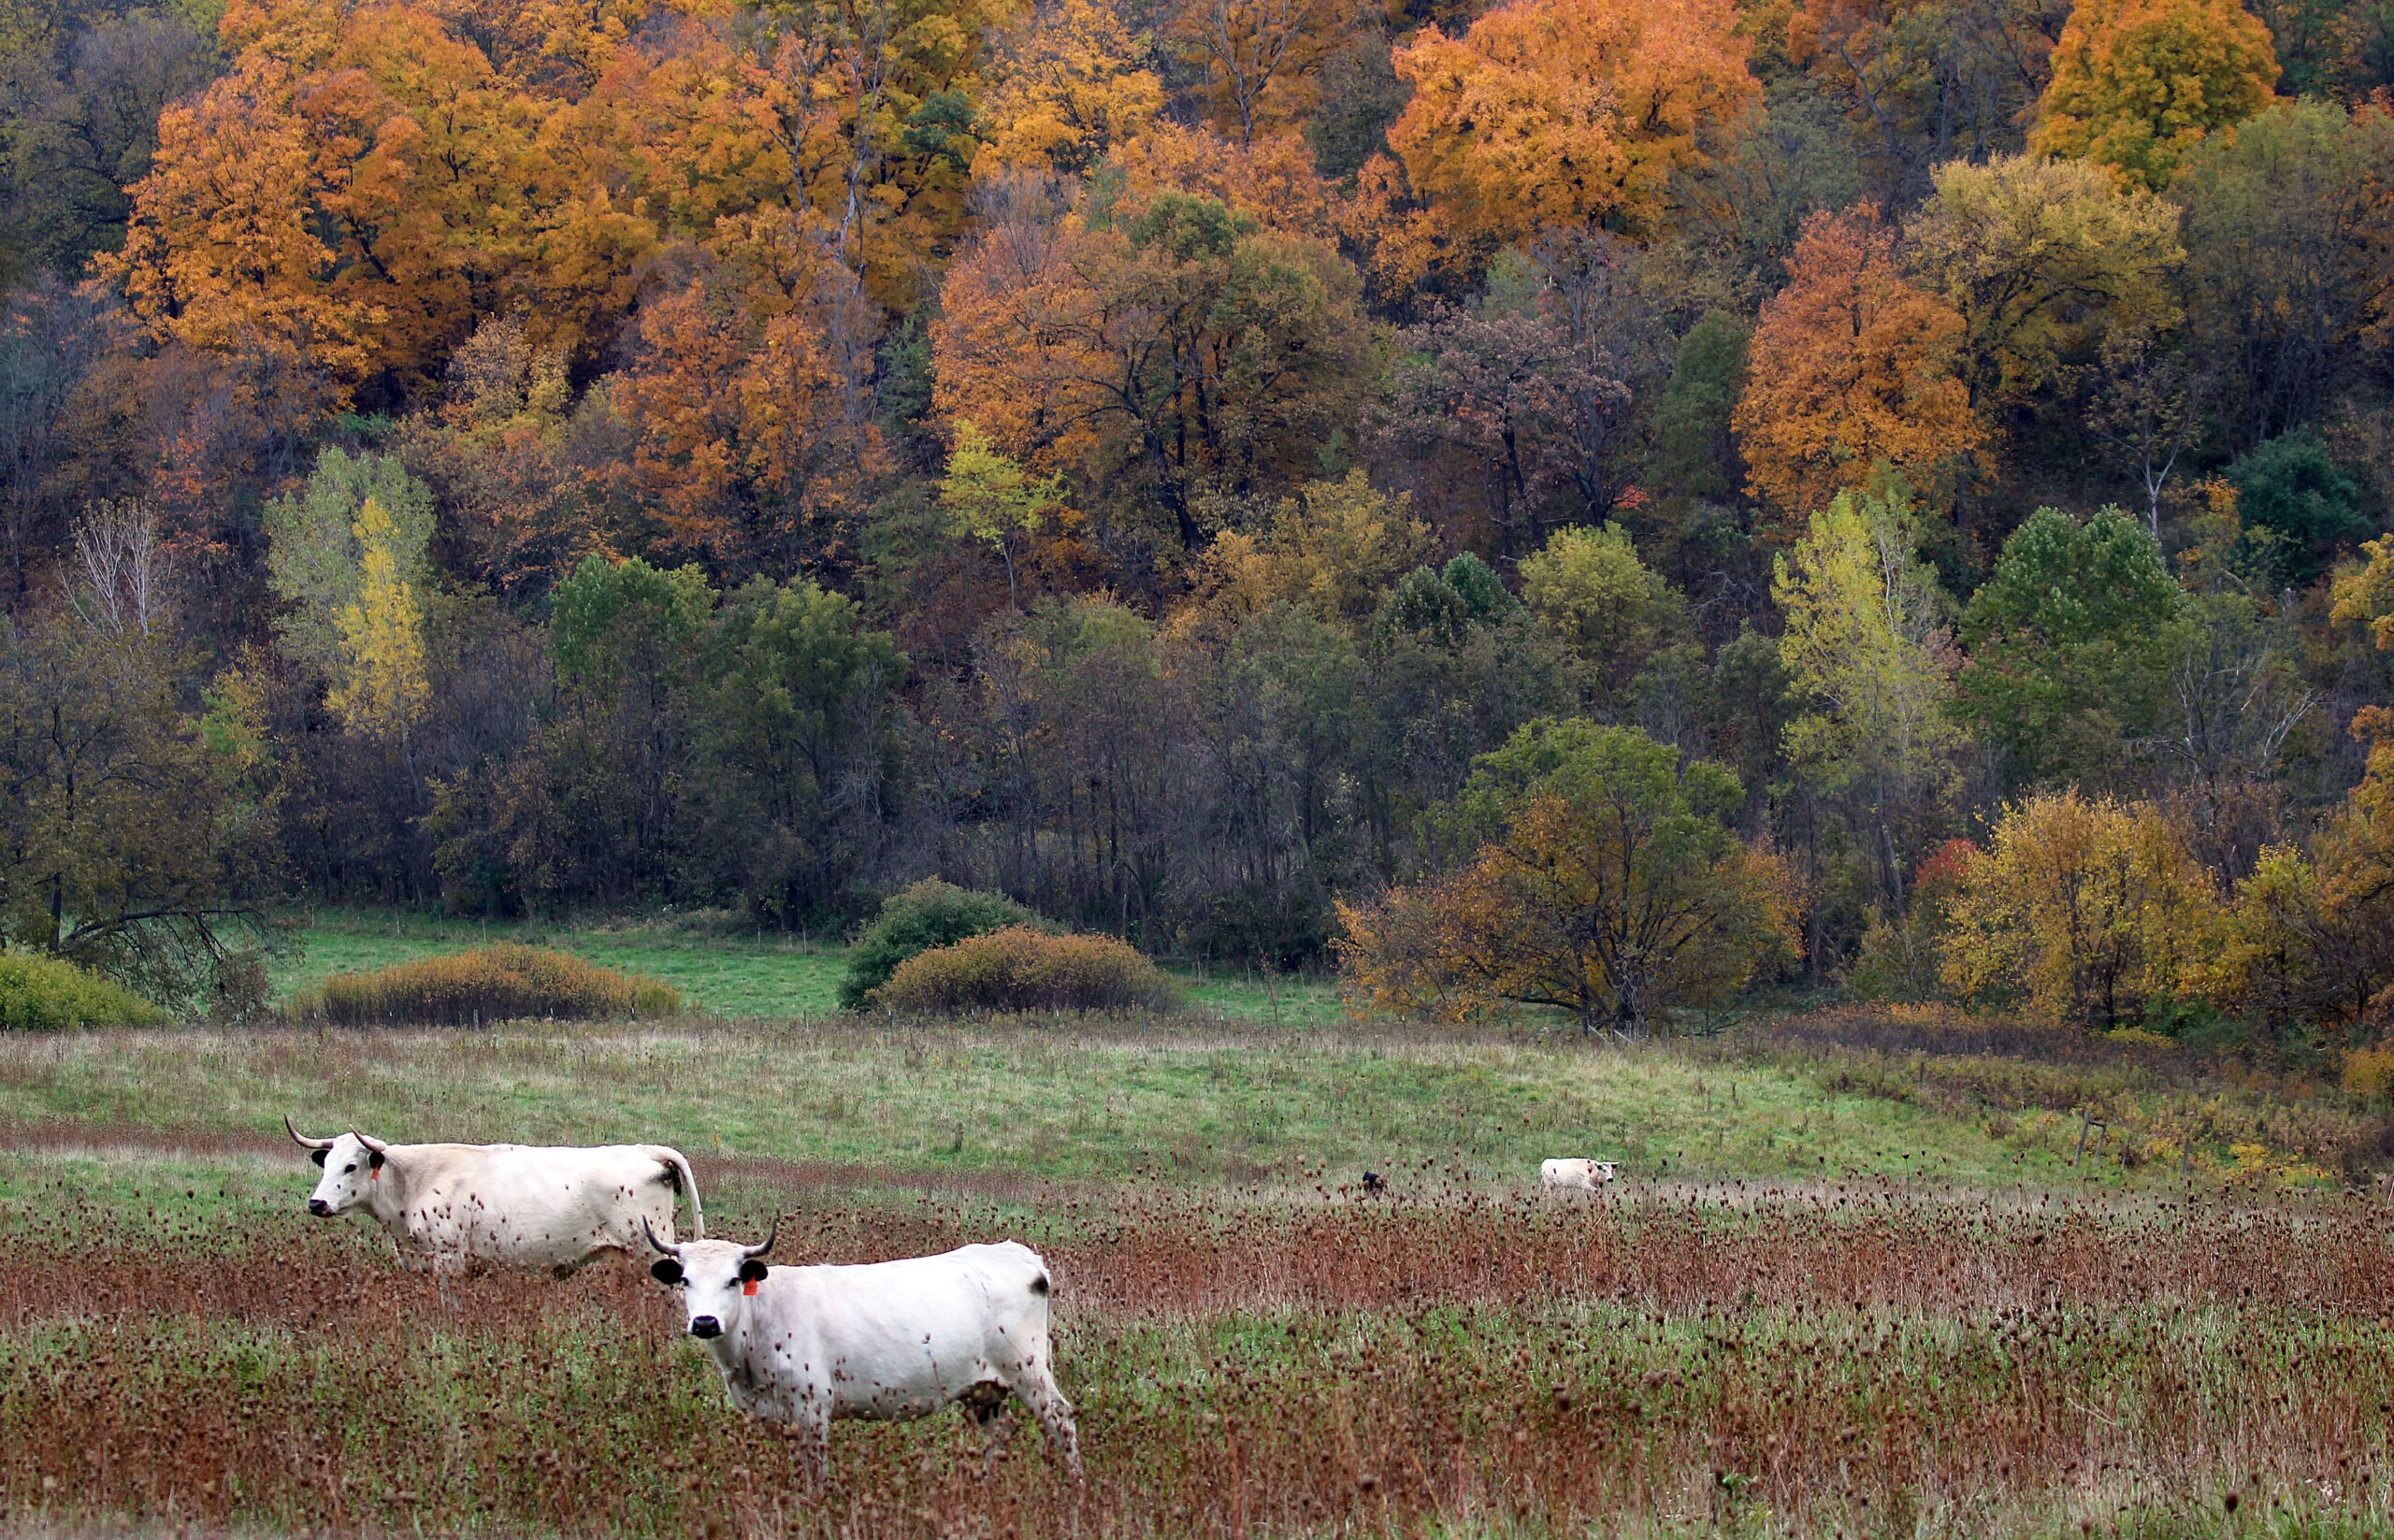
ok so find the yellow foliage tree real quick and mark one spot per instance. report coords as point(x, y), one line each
point(2137, 83)
point(383, 687)
point(2042, 260)
point(2312, 933)
point(1257, 55)
point(1867, 647)
point(2089, 907)
point(1589, 588)
point(1553, 113)
point(1068, 84)
point(2364, 595)
point(1335, 548)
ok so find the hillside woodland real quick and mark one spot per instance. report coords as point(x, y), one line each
point(1595, 503)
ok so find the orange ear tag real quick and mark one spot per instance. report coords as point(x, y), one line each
point(373, 1173)
point(749, 1287)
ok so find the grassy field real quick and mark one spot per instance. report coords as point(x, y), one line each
point(1036, 1099)
point(738, 975)
point(1858, 1280)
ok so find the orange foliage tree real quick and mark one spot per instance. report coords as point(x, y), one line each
point(756, 439)
point(1550, 113)
point(1272, 182)
point(1258, 56)
point(2137, 83)
point(1850, 364)
point(369, 183)
point(1177, 345)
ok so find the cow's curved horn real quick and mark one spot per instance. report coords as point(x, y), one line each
point(302, 1140)
point(771, 1236)
point(373, 1145)
point(651, 1233)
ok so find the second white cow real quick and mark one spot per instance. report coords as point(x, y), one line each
point(890, 1342)
point(1573, 1174)
point(452, 1207)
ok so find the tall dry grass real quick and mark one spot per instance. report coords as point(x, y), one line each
point(1840, 1361)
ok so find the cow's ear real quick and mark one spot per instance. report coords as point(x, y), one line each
point(318, 1156)
point(665, 1270)
point(376, 1161)
point(751, 1271)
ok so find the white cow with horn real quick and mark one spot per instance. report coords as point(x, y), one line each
point(450, 1208)
point(799, 1347)
point(1573, 1174)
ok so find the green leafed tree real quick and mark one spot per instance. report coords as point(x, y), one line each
point(2293, 488)
point(123, 845)
point(1866, 644)
point(596, 808)
point(2070, 644)
point(1588, 588)
point(989, 497)
point(1694, 452)
point(316, 556)
point(795, 748)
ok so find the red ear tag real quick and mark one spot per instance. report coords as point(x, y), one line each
point(373, 1173)
point(749, 1287)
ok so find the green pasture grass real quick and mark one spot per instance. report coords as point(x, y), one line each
point(1077, 1100)
point(733, 974)
point(739, 974)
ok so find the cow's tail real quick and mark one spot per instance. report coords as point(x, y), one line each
point(679, 1175)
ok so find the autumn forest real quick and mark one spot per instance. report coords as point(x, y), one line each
point(1595, 505)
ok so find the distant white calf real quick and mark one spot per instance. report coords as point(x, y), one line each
point(1584, 1175)
point(451, 1206)
point(888, 1341)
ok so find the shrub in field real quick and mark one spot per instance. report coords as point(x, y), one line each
point(930, 913)
point(2369, 1073)
point(1021, 969)
point(489, 984)
point(45, 993)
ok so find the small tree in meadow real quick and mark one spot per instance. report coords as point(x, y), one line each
point(1606, 883)
point(2087, 907)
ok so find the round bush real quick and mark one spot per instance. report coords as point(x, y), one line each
point(45, 993)
point(914, 920)
point(487, 985)
point(1020, 969)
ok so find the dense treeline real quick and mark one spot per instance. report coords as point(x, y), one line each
point(1588, 501)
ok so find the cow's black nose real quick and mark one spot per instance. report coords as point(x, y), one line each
point(318, 1208)
point(705, 1326)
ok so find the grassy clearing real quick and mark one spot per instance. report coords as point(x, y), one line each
point(738, 975)
point(1082, 1102)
